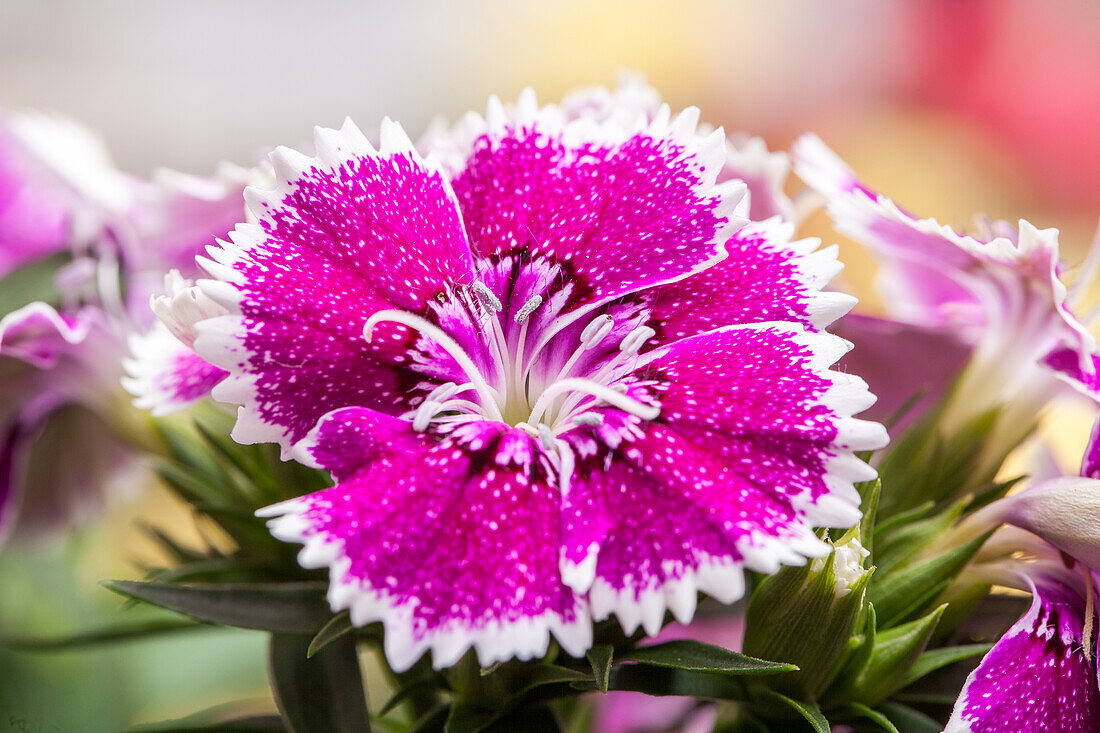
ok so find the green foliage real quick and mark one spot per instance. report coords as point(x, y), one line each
point(865, 650)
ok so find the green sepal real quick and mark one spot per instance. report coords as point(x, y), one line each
point(277, 607)
point(795, 616)
point(323, 694)
point(859, 657)
point(895, 654)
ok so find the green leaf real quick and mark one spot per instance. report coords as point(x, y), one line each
point(907, 541)
point(907, 590)
point(869, 497)
point(661, 681)
point(279, 607)
point(600, 657)
point(32, 282)
point(469, 718)
point(548, 674)
point(808, 710)
point(909, 720)
point(896, 651)
point(322, 694)
point(862, 711)
point(333, 630)
point(98, 636)
point(695, 656)
point(433, 720)
point(934, 659)
point(433, 682)
point(250, 724)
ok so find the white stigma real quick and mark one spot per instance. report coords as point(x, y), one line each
point(528, 308)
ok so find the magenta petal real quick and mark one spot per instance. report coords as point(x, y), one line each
point(347, 234)
point(449, 550)
point(623, 210)
point(766, 277)
point(1037, 677)
point(1066, 363)
point(667, 520)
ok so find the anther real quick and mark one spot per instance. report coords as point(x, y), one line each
point(528, 308)
point(589, 418)
point(634, 340)
point(487, 297)
point(597, 330)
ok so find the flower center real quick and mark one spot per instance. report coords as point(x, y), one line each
point(503, 349)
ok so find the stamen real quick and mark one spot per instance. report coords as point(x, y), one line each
point(424, 415)
point(487, 297)
point(528, 308)
point(596, 331)
point(597, 390)
point(591, 336)
point(634, 340)
point(1090, 613)
point(426, 328)
point(588, 418)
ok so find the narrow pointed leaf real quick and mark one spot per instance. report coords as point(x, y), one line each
point(909, 720)
point(322, 694)
point(98, 636)
point(896, 651)
point(600, 658)
point(250, 724)
point(548, 674)
point(662, 681)
point(935, 659)
point(433, 720)
point(430, 683)
point(894, 595)
point(862, 711)
point(282, 607)
point(333, 630)
point(809, 711)
point(696, 656)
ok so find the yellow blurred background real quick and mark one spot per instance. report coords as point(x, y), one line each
point(950, 106)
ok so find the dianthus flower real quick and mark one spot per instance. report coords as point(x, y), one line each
point(997, 291)
point(554, 374)
point(1042, 674)
point(104, 237)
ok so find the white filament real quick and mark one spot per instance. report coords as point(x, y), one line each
point(595, 389)
point(488, 394)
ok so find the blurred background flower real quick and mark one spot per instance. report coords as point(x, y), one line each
point(953, 107)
